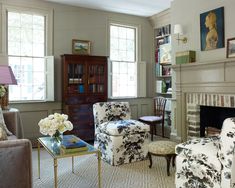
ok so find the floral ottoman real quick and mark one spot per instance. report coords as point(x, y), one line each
point(165, 149)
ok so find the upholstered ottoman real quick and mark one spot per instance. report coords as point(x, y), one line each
point(165, 149)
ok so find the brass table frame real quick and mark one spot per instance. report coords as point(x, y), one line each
point(45, 142)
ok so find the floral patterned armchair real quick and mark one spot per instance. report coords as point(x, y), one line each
point(207, 162)
point(119, 138)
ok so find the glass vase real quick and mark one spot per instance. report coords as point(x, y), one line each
point(56, 140)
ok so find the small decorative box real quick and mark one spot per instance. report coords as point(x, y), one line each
point(185, 57)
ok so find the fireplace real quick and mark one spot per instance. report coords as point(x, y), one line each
point(214, 108)
point(213, 117)
point(200, 84)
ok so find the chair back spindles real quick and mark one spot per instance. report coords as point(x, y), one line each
point(159, 106)
point(158, 117)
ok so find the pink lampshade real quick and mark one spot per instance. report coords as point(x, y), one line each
point(6, 75)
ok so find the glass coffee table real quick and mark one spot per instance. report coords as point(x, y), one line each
point(47, 144)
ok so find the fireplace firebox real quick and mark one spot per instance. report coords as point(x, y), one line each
point(211, 116)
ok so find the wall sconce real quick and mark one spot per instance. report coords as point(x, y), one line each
point(179, 30)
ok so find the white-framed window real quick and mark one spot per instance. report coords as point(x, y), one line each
point(27, 48)
point(123, 59)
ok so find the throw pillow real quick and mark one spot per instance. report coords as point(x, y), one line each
point(3, 123)
point(3, 134)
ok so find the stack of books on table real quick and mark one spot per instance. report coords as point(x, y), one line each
point(71, 144)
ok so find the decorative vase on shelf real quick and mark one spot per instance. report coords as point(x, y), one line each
point(56, 140)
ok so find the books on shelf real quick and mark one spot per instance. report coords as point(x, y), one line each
point(163, 86)
point(163, 31)
point(168, 105)
point(158, 68)
point(71, 141)
point(159, 86)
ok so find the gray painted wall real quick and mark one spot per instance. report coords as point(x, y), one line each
point(187, 13)
point(86, 24)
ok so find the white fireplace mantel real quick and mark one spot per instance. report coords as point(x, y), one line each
point(217, 77)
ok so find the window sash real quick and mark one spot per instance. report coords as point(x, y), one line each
point(119, 46)
point(48, 61)
point(30, 78)
point(48, 79)
point(124, 78)
point(123, 84)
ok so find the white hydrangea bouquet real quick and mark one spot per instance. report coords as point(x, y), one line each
point(2, 90)
point(55, 125)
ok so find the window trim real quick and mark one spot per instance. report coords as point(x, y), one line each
point(138, 58)
point(48, 14)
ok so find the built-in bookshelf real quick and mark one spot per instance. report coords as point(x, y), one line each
point(163, 60)
point(162, 40)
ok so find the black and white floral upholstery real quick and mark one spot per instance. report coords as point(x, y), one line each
point(207, 162)
point(119, 138)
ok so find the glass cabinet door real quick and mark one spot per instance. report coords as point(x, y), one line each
point(76, 78)
point(96, 78)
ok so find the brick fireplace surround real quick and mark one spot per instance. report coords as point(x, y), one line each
point(200, 83)
point(193, 102)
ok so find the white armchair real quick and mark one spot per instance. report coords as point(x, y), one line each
point(119, 138)
point(207, 162)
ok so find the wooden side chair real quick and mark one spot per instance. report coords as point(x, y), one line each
point(158, 117)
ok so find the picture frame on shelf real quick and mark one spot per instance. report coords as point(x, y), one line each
point(81, 47)
point(230, 48)
point(165, 54)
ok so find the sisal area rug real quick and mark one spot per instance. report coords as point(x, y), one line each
point(133, 175)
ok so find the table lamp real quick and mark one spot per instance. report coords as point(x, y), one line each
point(6, 78)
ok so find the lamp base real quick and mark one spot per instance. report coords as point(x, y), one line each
point(4, 101)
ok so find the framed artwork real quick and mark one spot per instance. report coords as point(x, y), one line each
point(212, 29)
point(230, 47)
point(165, 54)
point(82, 47)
